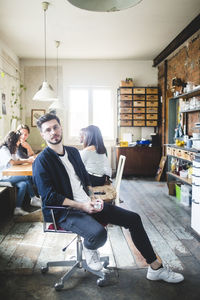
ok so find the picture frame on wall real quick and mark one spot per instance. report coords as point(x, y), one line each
point(35, 115)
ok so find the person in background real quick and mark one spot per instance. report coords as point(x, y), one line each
point(62, 180)
point(82, 135)
point(94, 156)
point(8, 158)
point(24, 149)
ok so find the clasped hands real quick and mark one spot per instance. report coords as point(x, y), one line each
point(94, 205)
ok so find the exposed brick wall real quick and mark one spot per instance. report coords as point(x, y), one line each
point(184, 63)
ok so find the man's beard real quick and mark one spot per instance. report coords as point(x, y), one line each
point(56, 142)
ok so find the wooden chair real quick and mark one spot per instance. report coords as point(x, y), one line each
point(78, 263)
point(120, 169)
point(110, 193)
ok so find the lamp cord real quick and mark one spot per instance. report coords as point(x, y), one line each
point(57, 71)
point(45, 59)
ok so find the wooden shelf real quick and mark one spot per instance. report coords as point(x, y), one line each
point(190, 110)
point(191, 94)
point(185, 180)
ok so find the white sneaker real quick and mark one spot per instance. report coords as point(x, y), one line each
point(35, 201)
point(93, 259)
point(164, 274)
point(20, 212)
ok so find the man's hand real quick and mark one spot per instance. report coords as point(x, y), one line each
point(92, 207)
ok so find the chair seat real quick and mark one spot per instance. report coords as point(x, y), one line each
point(105, 192)
point(52, 227)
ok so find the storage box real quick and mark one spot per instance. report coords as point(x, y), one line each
point(138, 123)
point(178, 191)
point(152, 90)
point(139, 110)
point(123, 144)
point(125, 97)
point(169, 151)
point(139, 91)
point(171, 188)
point(152, 97)
point(126, 83)
point(186, 195)
point(125, 91)
point(151, 123)
point(126, 123)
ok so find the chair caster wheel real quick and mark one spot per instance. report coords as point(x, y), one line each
point(58, 286)
point(105, 264)
point(101, 282)
point(44, 270)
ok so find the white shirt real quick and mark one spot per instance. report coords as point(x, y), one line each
point(77, 188)
point(5, 158)
point(96, 163)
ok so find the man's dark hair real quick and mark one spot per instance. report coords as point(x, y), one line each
point(46, 118)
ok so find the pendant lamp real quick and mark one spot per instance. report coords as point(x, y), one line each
point(57, 104)
point(45, 92)
point(104, 5)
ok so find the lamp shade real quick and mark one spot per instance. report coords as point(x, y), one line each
point(104, 5)
point(56, 105)
point(45, 93)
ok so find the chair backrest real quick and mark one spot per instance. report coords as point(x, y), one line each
point(120, 169)
point(52, 226)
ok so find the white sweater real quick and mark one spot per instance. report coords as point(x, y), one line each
point(96, 163)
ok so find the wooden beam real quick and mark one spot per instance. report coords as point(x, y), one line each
point(186, 33)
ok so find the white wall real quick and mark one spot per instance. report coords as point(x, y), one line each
point(85, 73)
point(9, 81)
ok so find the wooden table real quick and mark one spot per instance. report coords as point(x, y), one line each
point(19, 170)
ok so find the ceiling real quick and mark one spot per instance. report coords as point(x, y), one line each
point(138, 33)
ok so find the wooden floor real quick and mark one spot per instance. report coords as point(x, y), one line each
point(24, 248)
point(166, 221)
point(24, 245)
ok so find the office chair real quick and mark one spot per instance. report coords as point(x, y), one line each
point(78, 263)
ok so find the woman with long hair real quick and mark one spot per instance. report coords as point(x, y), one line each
point(8, 157)
point(94, 156)
point(24, 149)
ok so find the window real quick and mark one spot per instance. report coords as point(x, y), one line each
point(89, 106)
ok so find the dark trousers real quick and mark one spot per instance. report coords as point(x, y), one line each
point(96, 180)
point(95, 235)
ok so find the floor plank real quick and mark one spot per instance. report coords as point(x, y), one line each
point(166, 221)
point(24, 245)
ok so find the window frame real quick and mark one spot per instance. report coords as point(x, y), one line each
point(90, 89)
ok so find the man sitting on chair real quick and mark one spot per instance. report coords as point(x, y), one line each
point(62, 180)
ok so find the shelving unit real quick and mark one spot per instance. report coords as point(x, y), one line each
point(182, 154)
point(195, 92)
point(184, 180)
point(173, 108)
point(138, 106)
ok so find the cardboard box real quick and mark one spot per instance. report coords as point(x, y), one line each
point(123, 144)
point(178, 191)
point(126, 83)
point(171, 188)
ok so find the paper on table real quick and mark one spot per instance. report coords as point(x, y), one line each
point(127, 137)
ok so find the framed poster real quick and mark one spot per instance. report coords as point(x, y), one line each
point(35, 115)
